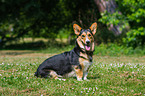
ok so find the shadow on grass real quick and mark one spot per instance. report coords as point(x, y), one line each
point(33, 45)
point(89, 77)
point(95, 77)
point(14, 53)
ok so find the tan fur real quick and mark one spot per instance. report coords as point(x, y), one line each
point(84, 58)
point(93, 46)
point(83, 38)
point(77, 29)
point(75, 62)
point(81, 41)
point(70, 74)
point(84, 55)
point(79, 73)
point(85, 63)
point(54, 74)
point(93, 28)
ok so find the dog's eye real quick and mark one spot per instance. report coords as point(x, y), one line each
point(89, 35)
point(83, 35)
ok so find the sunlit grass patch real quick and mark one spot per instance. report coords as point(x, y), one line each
point(122, 77)
point(108, 76)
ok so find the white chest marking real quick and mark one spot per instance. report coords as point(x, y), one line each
point(87, 64)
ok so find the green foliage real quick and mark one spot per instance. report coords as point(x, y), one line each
point(64, 33)
point(115, 19)
point(5, 30)
point(136, 16)
point(51, 19)
point(37, 18)
point(117, 50)
point(133, 15)
point(134, 11)
point(32, 18)
point(103, 35)
point(135, 37)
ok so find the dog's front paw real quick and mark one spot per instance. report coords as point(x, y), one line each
point(79, 79)
point(85, 78)
point(61, 79)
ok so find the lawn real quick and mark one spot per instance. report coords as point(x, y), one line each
point(109, 75)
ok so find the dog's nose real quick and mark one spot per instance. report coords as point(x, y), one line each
point(88, 42)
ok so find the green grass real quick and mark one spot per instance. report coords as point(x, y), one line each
point(118, 50)
point(116, 70)
point(123, 75)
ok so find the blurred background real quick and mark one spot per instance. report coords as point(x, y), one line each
point(39, 24)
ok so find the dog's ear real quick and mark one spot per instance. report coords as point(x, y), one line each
point(93, 28)
point(77, 29)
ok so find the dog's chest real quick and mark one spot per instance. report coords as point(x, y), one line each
point(87, 65)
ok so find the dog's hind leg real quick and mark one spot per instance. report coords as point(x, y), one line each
point(54, 74)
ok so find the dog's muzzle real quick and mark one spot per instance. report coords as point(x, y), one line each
point(87, 46)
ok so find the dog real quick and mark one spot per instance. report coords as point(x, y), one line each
point(74, 63)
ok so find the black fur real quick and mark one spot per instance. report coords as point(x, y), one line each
point(61, 63)
point(85, 30)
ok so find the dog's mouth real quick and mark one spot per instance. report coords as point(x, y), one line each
point(87, 47)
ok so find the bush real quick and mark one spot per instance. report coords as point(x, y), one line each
point(132, 15)
point(135, 38)
point(117, 50)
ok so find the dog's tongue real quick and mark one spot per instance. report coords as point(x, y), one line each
point(87, 48)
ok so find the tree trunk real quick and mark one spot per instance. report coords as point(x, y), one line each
point(109, 6)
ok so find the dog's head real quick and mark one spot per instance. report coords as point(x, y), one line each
point(85, 38)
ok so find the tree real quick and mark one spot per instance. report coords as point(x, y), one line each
point(31, 17)
point(42, 18)
point(134, 13)
point(110, 16)
point(45, 18)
